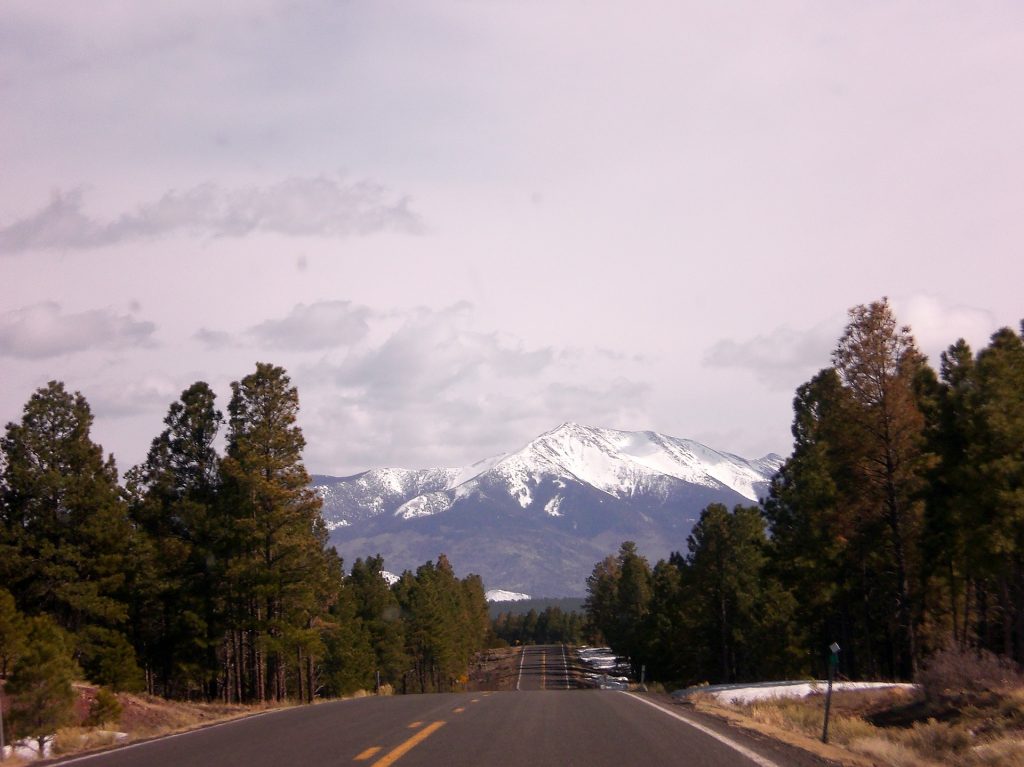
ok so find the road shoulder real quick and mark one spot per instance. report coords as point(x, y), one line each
point(782, 747)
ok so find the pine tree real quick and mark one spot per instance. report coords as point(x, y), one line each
point(280, 574)
point(66, 534)
point(664, 629)
point(818, 549)
point(997, 454)
point(13, 632)
point(633, 597)
point(950, 562)
point(879, 366)
point(42, 699)
point(380, 614)
point(350, 661)
point(601, 604)
point(176, 611)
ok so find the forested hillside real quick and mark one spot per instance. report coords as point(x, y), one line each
point(895, 528)
point(206, 576)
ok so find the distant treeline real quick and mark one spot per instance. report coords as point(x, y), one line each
point(206, 576)
point(895, 528)
point(550, 626)
point(523, 606)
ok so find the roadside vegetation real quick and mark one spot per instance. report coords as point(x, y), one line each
point(206, 577)
point(895, 529)
point(967, 712)
point(99, 718)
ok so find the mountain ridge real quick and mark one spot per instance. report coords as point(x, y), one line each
point(535, 520)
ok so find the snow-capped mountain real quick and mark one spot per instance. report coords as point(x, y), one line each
point(537, 519)
point(378, 491)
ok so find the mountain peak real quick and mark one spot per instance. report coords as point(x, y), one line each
point(534, 520)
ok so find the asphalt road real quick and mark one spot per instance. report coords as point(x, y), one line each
point(546, 667)
point(537, 725)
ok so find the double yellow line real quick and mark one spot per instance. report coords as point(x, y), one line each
point(402, 748)
point(407, 745)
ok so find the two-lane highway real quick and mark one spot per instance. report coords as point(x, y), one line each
point(502, 729)
point(546, 667)
point(531, 726)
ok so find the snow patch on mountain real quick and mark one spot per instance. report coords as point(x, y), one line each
point(551, 507)
point(424, 506)
point(620, 464)
point(500, 595)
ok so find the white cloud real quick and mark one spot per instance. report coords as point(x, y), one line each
point(432, 391)
point(433, 353)
point(321, 325)
point(937, 324)
point(318, 206)
point(782, 358)
point(215, 339)
point(119, 399)
point(44, 330)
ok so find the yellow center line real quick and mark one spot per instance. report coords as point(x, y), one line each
point(458, 710)
point(364, 755)
point(402, 749)
point(475, 700)
point(414, 725)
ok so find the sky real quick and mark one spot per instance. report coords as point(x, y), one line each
point(459, 224)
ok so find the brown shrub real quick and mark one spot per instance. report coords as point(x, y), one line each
point(956, 672)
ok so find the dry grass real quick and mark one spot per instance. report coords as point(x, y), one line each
point(71, 740)
point(142, 717)
point(885, 751)
point(986, 731)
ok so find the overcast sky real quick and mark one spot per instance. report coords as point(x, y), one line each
point(459, 224)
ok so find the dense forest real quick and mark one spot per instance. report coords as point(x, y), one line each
point(204, 576)
point(895, 528)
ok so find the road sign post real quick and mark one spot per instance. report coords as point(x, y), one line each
point(833, 661)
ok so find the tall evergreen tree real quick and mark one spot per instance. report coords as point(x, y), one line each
point(280, 575)
point(818, 549)
point(175, 600)
point(42, 699)
point(633, 600)
point(601, 604)
point(725, 561)
point(65, 529)
point(349, 658)
point(879, 366)
point(949, 565)
point(379, 612)
point(997, 454)
point(13, 632)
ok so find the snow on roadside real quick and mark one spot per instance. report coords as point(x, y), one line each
point(735, 693)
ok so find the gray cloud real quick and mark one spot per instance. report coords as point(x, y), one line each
point(322, 325)
point(432, 354)
point(43, 330)
point(783, 358)
point(121, 399)
point(215, 339)
point(317, 206)
point(601, 404)
point(432, 388)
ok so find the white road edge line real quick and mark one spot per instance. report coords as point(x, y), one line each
point(522, 657)
point(751, 755)
point(565, 668)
